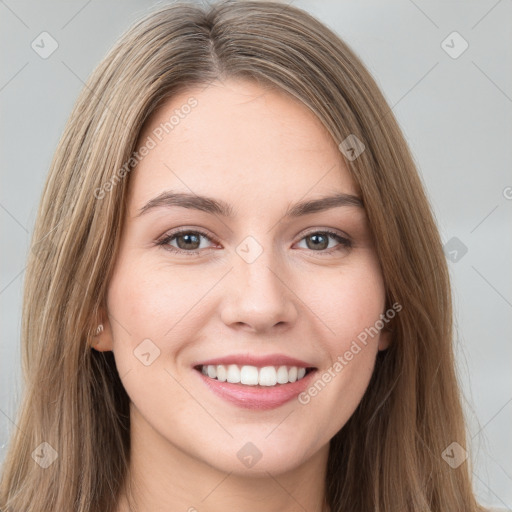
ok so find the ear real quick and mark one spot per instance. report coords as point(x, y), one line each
point(385, 338)
point(101, 337)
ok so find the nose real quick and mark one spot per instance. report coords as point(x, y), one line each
point(259, 295)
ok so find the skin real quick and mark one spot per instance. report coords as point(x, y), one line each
point(260, 151)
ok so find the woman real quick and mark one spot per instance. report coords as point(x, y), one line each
point(237, 294)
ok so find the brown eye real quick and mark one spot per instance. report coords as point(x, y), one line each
point(187, 241)
point(319, 241)
point(190, 241)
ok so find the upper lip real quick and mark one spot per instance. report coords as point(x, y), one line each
point(258, 361)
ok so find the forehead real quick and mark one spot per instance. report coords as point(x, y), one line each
point(237, 139)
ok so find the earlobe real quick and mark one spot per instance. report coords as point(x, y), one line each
point(101, 339)
point(385, 339)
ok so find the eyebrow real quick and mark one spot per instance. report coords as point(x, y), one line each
point(218, 207)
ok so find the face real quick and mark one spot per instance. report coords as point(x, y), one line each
point(270, 292)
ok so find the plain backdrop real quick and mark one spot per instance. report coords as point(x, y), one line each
point(453, 103)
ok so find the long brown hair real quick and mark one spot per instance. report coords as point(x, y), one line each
point(388, 457)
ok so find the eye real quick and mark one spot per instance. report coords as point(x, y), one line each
point(186, 239)
point(320, 242)
point(189, 241)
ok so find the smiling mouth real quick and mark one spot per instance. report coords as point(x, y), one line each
point(247, 375)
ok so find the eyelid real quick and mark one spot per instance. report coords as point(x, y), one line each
point(332, 231)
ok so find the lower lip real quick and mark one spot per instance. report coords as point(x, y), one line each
point(257, 397)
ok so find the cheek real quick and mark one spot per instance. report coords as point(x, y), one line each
point(135, 304)
point(151, 314)
point(349, 303)
point(149, 302)
point(349, 308)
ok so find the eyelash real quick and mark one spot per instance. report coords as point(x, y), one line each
point(345, 243)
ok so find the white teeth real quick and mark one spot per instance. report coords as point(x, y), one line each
point(252, 375)
point(268, 376)
point(221, 373)
point(233, 374)
point(282, 375)
point(249, 375)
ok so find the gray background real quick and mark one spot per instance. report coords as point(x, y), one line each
point(455, 113)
